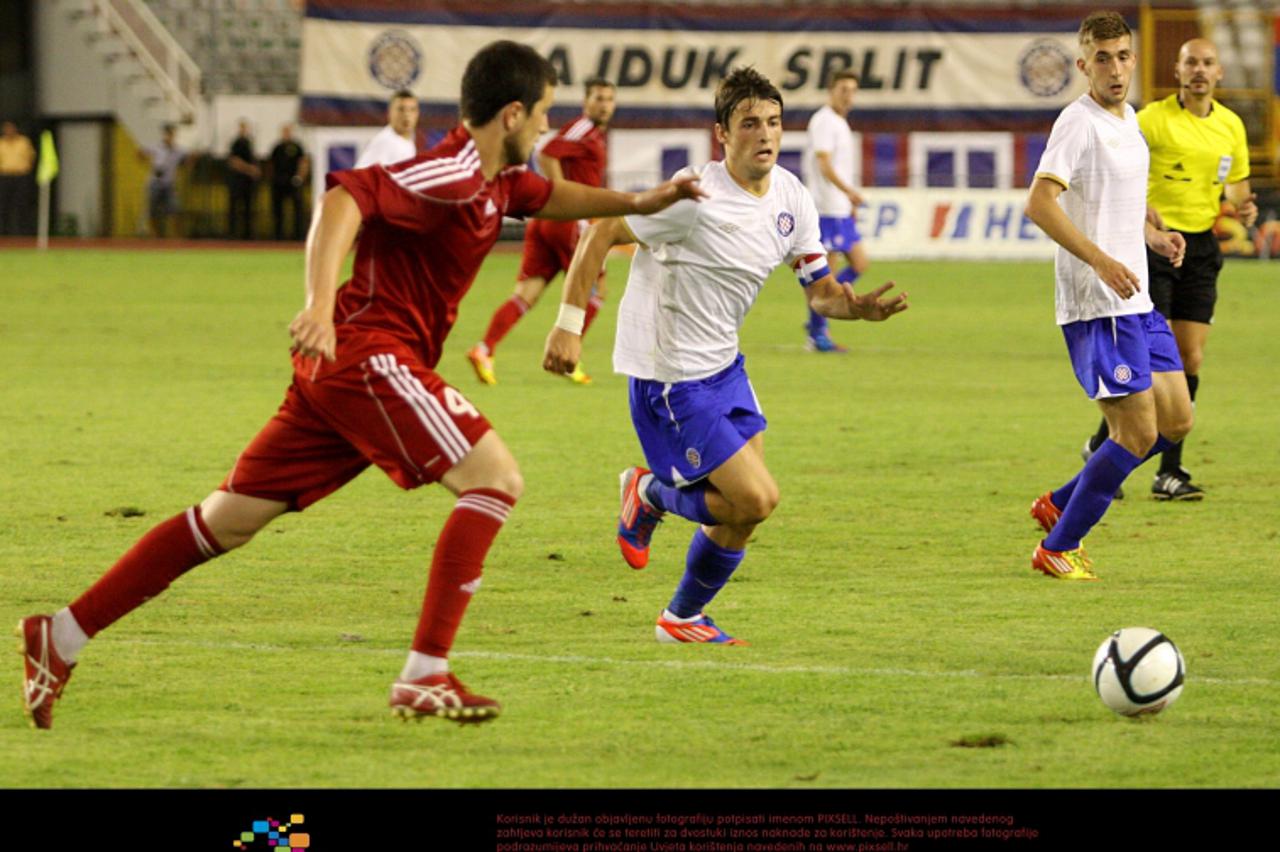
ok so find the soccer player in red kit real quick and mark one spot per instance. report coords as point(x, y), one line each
point(578, 152)
point(365, 390)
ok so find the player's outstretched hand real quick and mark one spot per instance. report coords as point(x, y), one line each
point(1117, 276)
point(664, 195)
point(869, 306)
point(313, 334)
point(562, 351)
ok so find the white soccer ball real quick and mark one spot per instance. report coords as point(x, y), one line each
point(1138, 671)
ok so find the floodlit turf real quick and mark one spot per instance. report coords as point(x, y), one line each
point(899, 636)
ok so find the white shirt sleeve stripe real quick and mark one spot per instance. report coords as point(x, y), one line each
point(434, 167)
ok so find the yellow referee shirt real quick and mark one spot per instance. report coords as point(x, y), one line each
point(1191, 158)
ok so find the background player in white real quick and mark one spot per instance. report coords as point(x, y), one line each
point(1090, 196)
point(1199, 152)
point(828, 173)
point(398, 140)
point(694, 276)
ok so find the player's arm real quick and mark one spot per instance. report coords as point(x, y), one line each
point(1244, 200)
point(828, 171)
point(564, 343)
point(1168, 244)
point(1043, 209)
point(836, 300)
point(333, 229)
point(571, 200)
point(549, 168)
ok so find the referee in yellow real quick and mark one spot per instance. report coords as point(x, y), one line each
point(1198, 152)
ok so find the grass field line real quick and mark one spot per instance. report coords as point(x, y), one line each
point(717, 665)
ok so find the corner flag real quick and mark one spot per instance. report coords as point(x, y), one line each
point(47, 170)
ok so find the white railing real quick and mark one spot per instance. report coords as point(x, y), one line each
point(155, 47)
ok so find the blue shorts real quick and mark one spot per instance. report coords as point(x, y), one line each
point(838, 233)
point(1115, 356)
point(688, 429)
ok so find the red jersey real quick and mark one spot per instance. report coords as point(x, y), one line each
point(428, 224)
point(581, 148)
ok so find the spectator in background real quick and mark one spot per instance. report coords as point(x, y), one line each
point(162, 195)
point(241, 181)
point(17, 160)
point(289, 168)
point(398, 140)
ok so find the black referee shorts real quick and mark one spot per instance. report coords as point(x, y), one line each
point(1189, 292)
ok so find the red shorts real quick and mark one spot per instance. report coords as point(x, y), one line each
point(377, 404)
point(548, 248)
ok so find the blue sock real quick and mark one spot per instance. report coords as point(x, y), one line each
point(688, 502)
point(708, 567)
point(817, 324)
point(1063, 495)
point(1095, 487)
point(846, 275)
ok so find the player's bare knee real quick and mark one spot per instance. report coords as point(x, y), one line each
point(1180, 426)
point(530, 290)
point(509, 481)
point(233, 520)
point(755, 506)
point(1137, 439)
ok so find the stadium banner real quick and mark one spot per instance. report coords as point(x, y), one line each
point(952, 224)
point(935, 68)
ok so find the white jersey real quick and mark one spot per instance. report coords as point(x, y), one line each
point(829, 132)
point(1102, 160)
point(385, 148)
point(700, 268)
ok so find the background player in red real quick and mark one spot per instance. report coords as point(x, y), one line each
point(578, 152)
point(364, 386)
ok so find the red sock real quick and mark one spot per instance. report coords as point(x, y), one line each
point(161, 556)
point(506, 316)
point(456, 566)
point(593, 308)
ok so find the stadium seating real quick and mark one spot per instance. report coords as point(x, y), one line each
point(242, 46)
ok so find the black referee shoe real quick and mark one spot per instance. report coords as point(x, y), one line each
point(1175, 486)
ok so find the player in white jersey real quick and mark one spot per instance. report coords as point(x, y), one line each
point(397, 141)
point(828, 173)
point(695, 275)
point(1089, 195)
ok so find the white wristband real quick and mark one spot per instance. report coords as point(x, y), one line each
point(572, 318)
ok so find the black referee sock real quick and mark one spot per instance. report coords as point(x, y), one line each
point(1171, 459)
point(1101, 435)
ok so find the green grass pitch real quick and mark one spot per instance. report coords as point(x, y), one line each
point(899, 636)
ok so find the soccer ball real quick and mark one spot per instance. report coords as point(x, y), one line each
point(1138, 671)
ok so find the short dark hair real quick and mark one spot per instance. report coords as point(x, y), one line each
point(741, 85)
point(500, 73)
point(401, 93)
point(1103, 26)
point(846, 74)
point(596, 83)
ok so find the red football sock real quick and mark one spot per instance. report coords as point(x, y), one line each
point(593, 308)
point(161, 556)
point(506, 316)
point(456, 566)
